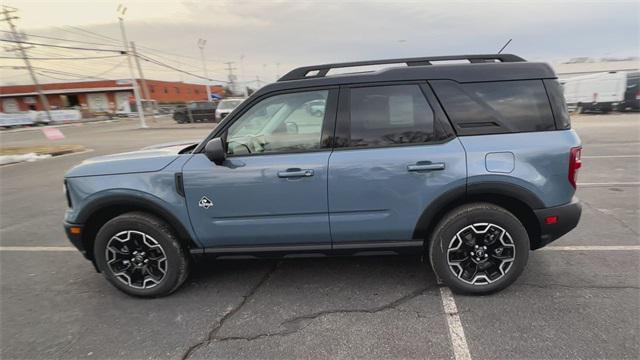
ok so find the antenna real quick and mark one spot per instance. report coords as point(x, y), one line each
point(505, 45)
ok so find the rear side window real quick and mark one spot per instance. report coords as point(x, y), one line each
point(496, 107)
point(558, 104)
point(389, 115)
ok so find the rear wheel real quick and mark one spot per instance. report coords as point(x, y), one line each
point(479, 248)
point(140, 255)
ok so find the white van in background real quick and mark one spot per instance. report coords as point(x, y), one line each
point(602, 92)
point(226, 106)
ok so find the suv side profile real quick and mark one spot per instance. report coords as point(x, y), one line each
point(474, 164)
point(195, 111)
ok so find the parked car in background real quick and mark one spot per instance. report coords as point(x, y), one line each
point(226, 106)
point(195, 111)
point(472, 165)
point(603, 92)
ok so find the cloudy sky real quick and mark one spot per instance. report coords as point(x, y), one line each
point(266, 38)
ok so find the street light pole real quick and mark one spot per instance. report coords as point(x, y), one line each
point(136, 92)
point(201, 44)
point(244, 79)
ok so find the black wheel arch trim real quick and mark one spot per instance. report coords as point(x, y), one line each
point(140, 202)
point(506, 189)
point(463, 193)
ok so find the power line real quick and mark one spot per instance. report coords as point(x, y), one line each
point(117, 41)
point(86, 67)
point(148, 48)
point(59, 78)
point(112, 68)
point(62, 46)
point(63, 58)
point(57, 38)
point(153, 61)
point(66, 73)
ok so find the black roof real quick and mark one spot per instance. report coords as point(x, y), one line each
point(491, 67)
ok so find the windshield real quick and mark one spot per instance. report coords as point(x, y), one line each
point(229, 104)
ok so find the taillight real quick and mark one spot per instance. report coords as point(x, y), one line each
point(638, 95)
point(574, 165)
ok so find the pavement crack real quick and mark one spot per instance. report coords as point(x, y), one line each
point(299, 323)
point(216, 328)
point(552, 285)
point(615, 217)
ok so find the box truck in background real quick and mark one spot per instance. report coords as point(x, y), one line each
point(603, 92)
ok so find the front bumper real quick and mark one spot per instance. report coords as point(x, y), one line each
point(568, 216)
point(76, 238)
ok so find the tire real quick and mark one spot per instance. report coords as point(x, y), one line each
point(159, 263)
point(501, 257)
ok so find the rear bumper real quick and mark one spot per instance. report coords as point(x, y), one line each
point(568, 216)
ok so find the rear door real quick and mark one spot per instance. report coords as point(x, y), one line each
point(393, 156)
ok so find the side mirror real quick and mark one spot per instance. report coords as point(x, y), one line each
point(214, 150)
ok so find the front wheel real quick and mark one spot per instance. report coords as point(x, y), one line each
point(479, 248)
point(140, 255)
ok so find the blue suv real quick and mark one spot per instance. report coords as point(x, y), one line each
point(468, 159)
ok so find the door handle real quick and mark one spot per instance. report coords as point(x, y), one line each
point(294, 173)
point(426, 167)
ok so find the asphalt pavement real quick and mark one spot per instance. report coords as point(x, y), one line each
point(578, 298)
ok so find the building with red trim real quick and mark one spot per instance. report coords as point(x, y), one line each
point(99, 96)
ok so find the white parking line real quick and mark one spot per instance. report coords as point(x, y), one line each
point(37, 248)
point(608, 156)
point(456, 332)
point(592, 248)
point(609, 184)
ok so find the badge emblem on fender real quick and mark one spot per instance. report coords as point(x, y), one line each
point(205, 203)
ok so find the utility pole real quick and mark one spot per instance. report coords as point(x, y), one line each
point(7, 11)
point(201, 44)
point(244, 79)
point(232, 78)
point(145, 88)
point(136, 92)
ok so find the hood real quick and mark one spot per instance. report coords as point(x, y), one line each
point(147, 160)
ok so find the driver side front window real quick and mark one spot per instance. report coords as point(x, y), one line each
point(281, 123)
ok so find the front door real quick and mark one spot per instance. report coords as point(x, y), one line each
point(272, 189)
point(393, 157)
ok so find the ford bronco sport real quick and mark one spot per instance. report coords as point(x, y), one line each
point(473, 164)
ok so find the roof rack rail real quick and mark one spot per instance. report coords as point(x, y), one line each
point(322, 70)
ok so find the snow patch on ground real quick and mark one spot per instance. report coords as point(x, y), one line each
point(10, 159)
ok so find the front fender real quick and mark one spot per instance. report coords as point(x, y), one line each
point(174, 215)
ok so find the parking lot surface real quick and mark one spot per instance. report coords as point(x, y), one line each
point(577, 298)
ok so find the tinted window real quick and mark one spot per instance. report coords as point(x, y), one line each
point(281, 123)
point(389, 115)
point(495, 107)
point(558, 104)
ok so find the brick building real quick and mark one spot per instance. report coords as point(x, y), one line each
point(99, 96)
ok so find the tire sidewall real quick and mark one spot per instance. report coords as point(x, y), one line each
point(455, 222)
point(175, 258)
